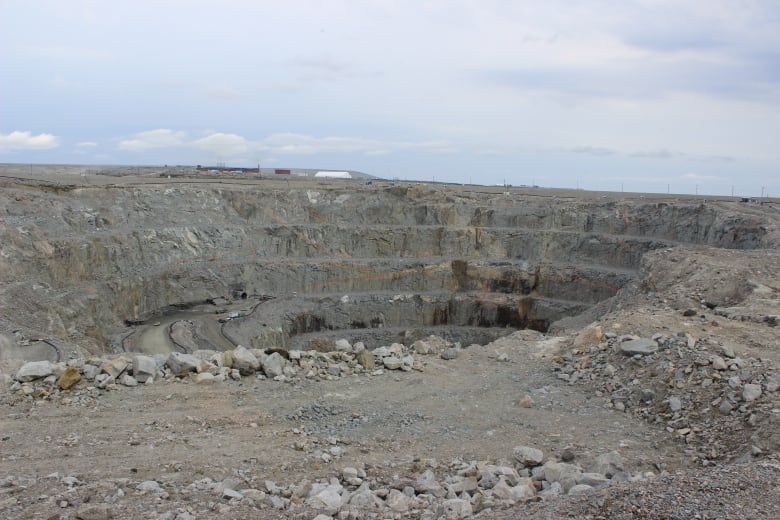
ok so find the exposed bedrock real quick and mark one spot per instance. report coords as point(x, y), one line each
point(82, 266)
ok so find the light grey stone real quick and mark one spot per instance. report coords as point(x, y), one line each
point(450, 353)
point(581, 489)
point(392, 363)
point(552, 489)
point(487, 479)
point(751, 392)
point(504, 491)
point(182, 363)
point(91, 372)
point(567, 474)
point(718, 363)
point(595, 480)
point(456, 508)
point(609, 463)
point(231, 494)
point(641, 346)
point(772, 383)
point(364, 498)
point(397, 501)
point(528, 456)
point(327, 497)
point(148, 485)
point(245, 361)
point(34, 370)
point(675, 404)
point(128, 380)
point(342, 345)
point(204, 378)
point(273, 365)
point(426, 483)
point(277, 502)
point(144, 367)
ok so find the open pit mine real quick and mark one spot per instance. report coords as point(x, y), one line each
point(203, 346)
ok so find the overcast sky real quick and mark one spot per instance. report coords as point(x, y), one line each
point(600, 94)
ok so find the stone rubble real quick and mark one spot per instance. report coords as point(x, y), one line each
point(419, 488)
point(682, 383)
point(206, 366)
point(678, 381)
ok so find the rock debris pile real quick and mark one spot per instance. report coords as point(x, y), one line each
point(416, 488)
point(428, 489)
point(209, 366)
point(699, 390)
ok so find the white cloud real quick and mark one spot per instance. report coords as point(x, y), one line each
point(230, 145)
point(160, 138)
point(17, 140)
point(225, 145)
point(291, 143)
point(87, 144)
point(699, 178)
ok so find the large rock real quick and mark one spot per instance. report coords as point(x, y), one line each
point(34, 370)
point(204, 378)
point(568, 475)
point(128, 380)
point(751, 392)
point(581, 489)
point(397, 501)
point(273, 365)
point(430, 345)
point(392, 363)
point(114, 367)
point(504, 491)
point(182, 363)
point(528, 456)
point(327, 497)
point(456, 508)
point(609, 464)
point(343, 345)
point(364, 498)
point(244, 361)
point(144, 368)
point(426, 483)
point(69, 377)
point(449, 353)
point(643, 346)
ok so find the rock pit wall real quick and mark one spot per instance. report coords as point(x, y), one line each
point(79, 263)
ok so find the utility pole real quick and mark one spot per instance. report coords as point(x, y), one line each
point(732, 190)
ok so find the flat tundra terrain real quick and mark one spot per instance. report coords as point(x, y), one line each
point(178, 345)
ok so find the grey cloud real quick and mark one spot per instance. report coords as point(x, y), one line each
point(758, 77)
point(600, 151)
point(657, 154)
point(594, 150)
